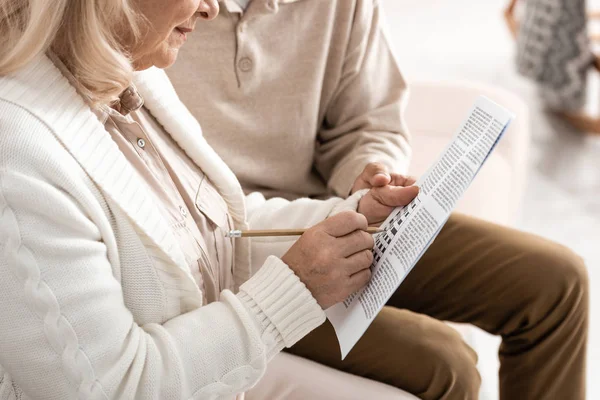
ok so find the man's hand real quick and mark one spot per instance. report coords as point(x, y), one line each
point(374, 175)
point(388, 191)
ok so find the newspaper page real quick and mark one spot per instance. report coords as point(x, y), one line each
point(409, 230)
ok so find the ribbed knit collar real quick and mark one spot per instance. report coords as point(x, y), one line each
point(129, 100)
point(41, 89)
point(162, 102)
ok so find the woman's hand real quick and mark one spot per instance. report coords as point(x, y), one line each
point(333, 258)
point(387, 191)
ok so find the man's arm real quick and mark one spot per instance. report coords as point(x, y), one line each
point(364, 122)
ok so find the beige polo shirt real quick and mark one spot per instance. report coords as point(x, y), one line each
point(296, 95)
point(196, 212)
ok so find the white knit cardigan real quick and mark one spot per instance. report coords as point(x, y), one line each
point(96, 300)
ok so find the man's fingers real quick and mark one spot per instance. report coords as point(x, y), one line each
point(380, 179)
point(411, 180)
point(395, 196)
point(344, 223)
point(375, 168)
point(376, 174)
point(402, 180)
point(355, 242)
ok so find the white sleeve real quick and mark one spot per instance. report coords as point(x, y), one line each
point(66, 331)
point(278, 213)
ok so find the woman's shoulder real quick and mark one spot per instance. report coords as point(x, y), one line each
point(37, 104)
point(20, 129)
point(29, 148)
point(24, 136)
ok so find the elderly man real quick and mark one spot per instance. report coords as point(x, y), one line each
point(305, 98)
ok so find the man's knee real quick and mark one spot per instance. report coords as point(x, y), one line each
point(576, 287)
point(442, 364)
point(563, 280)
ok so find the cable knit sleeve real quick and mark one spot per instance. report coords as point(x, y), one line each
point(278, 213)
point(66, 331)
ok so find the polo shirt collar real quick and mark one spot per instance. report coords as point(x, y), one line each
point(233, 7)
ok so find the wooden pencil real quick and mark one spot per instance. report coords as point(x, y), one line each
point(279, 232)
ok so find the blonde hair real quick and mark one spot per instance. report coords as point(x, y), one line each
point(83, 33)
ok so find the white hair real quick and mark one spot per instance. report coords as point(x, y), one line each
point(84, 33)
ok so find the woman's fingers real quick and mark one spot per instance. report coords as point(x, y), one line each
point(355, 242)
point(358, 261)
point(344, 223)
point(317, 260)
point(359, 280)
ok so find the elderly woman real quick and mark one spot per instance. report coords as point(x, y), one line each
point(117, 280)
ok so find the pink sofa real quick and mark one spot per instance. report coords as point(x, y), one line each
point(434, 112)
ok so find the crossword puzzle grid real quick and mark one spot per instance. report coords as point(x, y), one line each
point(385, 239)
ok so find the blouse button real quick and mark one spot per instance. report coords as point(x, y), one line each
point(141, 143)
point(245, 64)
point(182, 211)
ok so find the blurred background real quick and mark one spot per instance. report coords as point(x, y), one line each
point(468, 41)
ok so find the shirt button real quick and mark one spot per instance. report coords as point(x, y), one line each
point(141, 143)
point(182, 211)
point(241, 27)
point(245, 64)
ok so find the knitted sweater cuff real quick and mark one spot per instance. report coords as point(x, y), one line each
point(284, 308)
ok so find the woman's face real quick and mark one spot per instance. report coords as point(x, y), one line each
point(165, 29)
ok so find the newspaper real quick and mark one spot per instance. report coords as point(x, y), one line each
point(410, 230)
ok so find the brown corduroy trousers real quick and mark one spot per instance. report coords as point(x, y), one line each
point(530, 291)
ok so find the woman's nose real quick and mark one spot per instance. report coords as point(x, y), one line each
point(208, 9)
